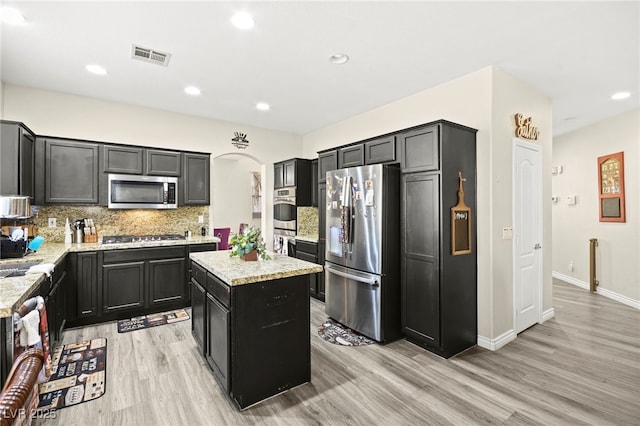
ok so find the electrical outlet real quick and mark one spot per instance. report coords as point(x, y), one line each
point(53, 222)
point(200, 219)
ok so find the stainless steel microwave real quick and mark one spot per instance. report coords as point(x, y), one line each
point(142, 192)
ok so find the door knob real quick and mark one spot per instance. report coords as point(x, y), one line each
point(537, 246)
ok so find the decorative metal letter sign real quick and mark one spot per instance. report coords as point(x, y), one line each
point(240, 140)
point(524, 129)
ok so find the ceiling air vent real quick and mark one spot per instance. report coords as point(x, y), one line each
point(150, 55)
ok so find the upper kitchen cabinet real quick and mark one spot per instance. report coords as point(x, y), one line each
point(16, 159)
point(122, 159)
point(314, 183)
point(295, 172)
point(67, 172)
point(327, 160)
point(419, 149)
point(194, 189)
point(381, 150)
point(351, 156)
point(162, 163)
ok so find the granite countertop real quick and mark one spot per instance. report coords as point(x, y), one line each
point(234, 271)
point(309, 238)
point(15, 290)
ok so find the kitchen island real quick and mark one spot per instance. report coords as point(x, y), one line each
point(251, 321)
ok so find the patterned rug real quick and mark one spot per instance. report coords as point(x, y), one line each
point(153, 320)
point(78, 375)
point(336, 333)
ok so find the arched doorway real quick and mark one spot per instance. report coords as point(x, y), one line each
point(237, 195)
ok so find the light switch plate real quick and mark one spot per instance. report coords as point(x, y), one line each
point(200, 218)
point(507, 233)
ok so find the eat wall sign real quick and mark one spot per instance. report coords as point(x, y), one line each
point(525, 129)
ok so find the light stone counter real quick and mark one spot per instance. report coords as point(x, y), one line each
point(15, 290)
point(235, 271)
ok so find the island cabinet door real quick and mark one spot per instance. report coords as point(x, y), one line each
point(217, 345)
point(198, 296)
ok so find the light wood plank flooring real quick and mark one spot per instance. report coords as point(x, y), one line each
point(581, 367)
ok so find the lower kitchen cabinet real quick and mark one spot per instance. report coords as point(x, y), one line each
point(254, 337)
point(308, 251)
point(198, 308)
point(321, 277)
point(116, 284)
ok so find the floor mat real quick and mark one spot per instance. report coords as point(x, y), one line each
point(336, 333)
point(152, 320)
point(78, 375)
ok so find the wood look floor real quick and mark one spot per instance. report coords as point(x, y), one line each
point(581, 367)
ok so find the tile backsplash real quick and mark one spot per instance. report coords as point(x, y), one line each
point(121, 222)
point(308, 221)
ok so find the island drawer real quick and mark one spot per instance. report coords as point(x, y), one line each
point(198, 273)
point(307, 247)
point(218, 289)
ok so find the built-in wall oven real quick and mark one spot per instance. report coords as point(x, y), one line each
point(284, 209)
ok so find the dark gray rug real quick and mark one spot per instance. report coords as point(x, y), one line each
point(336, 333)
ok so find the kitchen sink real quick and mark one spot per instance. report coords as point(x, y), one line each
point(15, 269)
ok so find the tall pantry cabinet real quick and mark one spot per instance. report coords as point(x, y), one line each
point(438, 288)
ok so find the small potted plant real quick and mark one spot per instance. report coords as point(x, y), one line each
point(248, 245)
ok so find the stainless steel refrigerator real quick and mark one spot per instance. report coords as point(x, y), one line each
point(362, 279)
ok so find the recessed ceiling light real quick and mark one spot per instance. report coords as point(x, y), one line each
point(192, 90)
point(339, 58)
point(242, 20)
point(620, 95)
point(10, 15)
point(263, 106)
point(96, 69)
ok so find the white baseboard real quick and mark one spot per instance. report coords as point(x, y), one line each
point(548, 314)
point(600, 290)
point(498, 342)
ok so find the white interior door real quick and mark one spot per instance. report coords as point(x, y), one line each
point(527, 233)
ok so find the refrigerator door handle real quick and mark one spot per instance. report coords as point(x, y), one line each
point(371, 281)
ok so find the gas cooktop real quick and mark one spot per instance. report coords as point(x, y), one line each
point(119, 239)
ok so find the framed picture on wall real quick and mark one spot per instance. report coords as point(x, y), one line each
point(611, 187)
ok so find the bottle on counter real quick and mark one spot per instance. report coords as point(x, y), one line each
point(68, 238)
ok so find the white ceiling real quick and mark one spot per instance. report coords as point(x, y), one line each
point(577, 53)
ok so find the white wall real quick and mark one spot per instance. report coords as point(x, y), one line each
point(231, 203)
point(59, 114)
point(617, 267)
point(1, 99)
point(485, 100)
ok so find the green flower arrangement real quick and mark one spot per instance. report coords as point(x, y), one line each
point(249, 240)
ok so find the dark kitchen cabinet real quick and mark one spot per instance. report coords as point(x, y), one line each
point(278, 175)
point(289, 173)
point(308, 251)
point(217, 345)
point(162, 163)
point(419, 149)
point(194, 190)
point(67, 171)
point(143, 279)
point(322, 210)
point(166, 281)
point(438, 289)
point(85, 267)
point(327, 160)
point(294, 172)
point(314, 183)
point(351, 156)
point(381, 150)
point(198, 307)
point(123, 287)
point(54, 290)
point(17, 159)
point(122, 159)
point(256, 335)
